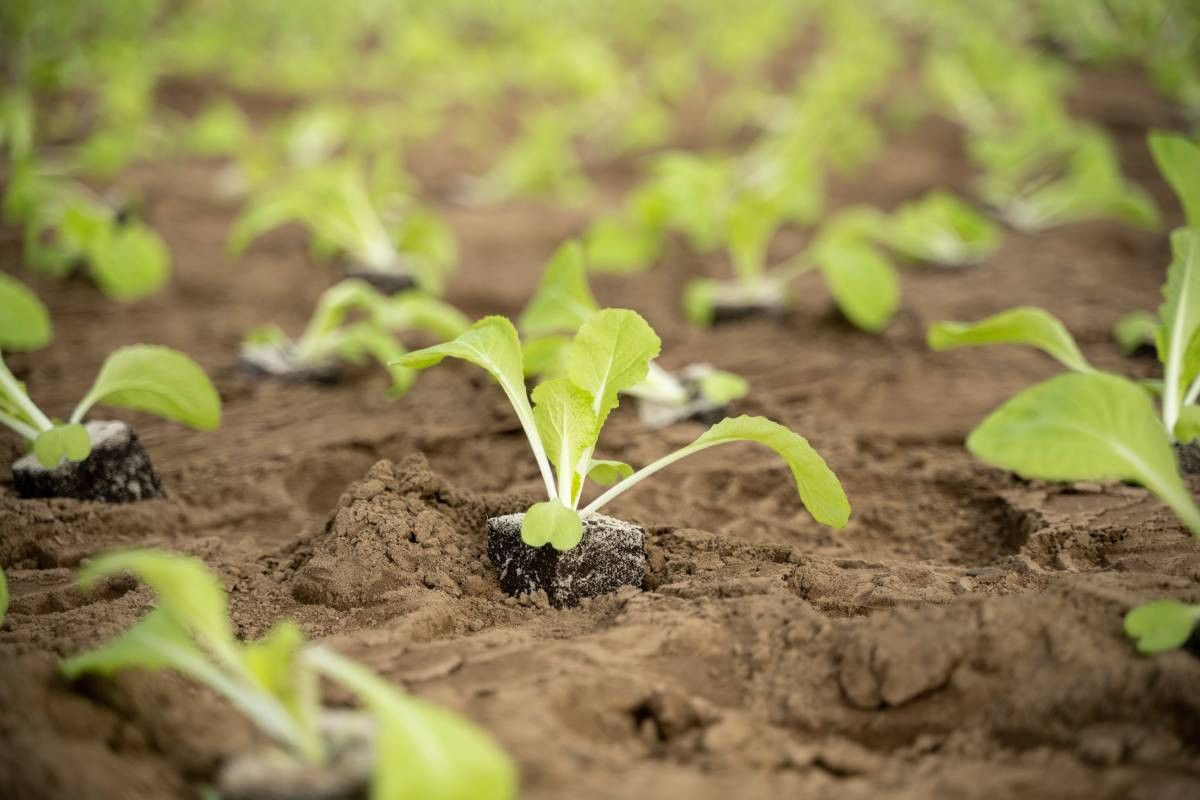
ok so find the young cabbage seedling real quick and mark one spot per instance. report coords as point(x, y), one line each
point(98, 460)
point(335, 203)
point(564, 301)
point(67, 227)
point(864, 284)
point(941, 229)
point(352, 322)
point(400, 746)
point(1092, 425)
point(541, 163)
point(610, 353)
point(1163, 625)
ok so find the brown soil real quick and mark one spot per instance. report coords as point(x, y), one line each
point(961, 638)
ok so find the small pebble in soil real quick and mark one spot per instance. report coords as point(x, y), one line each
point(611, 555)
point(118, 470)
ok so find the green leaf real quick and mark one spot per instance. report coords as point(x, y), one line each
point(699, 301)
point(24, 321)
point(611, 353)
point(752, 223)
point(1180, 315)
point(723, 387)
point(863, 283)
point(1179, 161)
point(1024, 325)
point(62, 442)
point(568, 427)
point(546, 357)
point(1161, 625)
point(819, 488)
point(942, 229)
point(188, 593)
point(422, 752)
point(157, 380)
point(492, 343)
point(129, 261)
point(606, 473)
point(623, 247)
point(1086, 426)
point(362, 339)
point(418, 311)
point(3, 596)
point(563, 300)
point(552, 522)
point(1135, 330)
point(1187, 429)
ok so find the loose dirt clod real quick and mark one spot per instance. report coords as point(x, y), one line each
point(118, 470)
point(612, 554)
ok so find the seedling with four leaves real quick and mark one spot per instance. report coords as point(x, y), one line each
point(610, 354)
point(401, 746)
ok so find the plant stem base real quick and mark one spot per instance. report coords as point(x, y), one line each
point(118, 470)
point(385, 282)
point(273, 361)
point(611, 555)
point(1188, 456)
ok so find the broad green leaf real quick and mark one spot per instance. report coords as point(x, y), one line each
point(422, 752)
point(492, 343)
point(1180, 315)
point(1024, 325)
point(606, 473)
point(567, 425)
point(1135, 330)
point(3, 596)
point(24, 321)
point(272, 659)
point(157, 380)
point(551, 522)
point(723, 387)
point(1179, 161)
point(1161, 625)
point(611, 353)
point(129, 261)
point(62, 443)
point(1086, 426)
point(863, 283)
point(188, 593)
point(336, 303)
point(1187, 429)
point(563, 301)
point(819, 488)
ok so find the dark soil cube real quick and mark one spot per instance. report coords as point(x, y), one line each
point(118, 470)
point(277, 775)
point(726, 312)
point(276, 361)
point(385, 282)
point(698, 408)
point(1188, 456)
point(611, 554)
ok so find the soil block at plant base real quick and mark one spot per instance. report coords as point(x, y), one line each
point(698, 408)
point(278, 361)
point(725, 312)
point(118, 470)
point(276, 775)
point(384, 282)
point(611, 555)
point(1188, 456)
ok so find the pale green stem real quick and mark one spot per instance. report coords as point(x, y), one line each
point(645, 472)
point(18, 426)
point(11, 388)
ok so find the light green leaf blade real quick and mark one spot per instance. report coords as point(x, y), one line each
point(699, 302)
point(1086, 426)
point(156, 641)
point(1023, 325)
point(1161, 625)
point(606, 472)
point(1135, 330)
point(723, 387)
point(187, 592)
point(611, 353)
point(24, 320)
point(563, 301)
point(552, 522)
point(818, 487)
point(1179, 161)
point(62, 443)
point(157, 380)
point(546, 357)
point(129, 262)
point(364, 339)
point(863, 283)
point(567, 425)
point(1180, 315)
point(1187, 429)
point(271, 661)
point(422, 752)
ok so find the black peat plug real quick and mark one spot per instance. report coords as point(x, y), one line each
point(118, 470)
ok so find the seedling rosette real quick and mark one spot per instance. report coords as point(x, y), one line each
point(610, 353)
point(97, 460)
point(564, 301)
point(352, 322)
point(396, 748)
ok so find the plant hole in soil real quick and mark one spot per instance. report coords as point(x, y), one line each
point(611, 554)
point(118, 470)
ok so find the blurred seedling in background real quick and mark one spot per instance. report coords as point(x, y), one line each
point(97, 460)
point(563, 302)
point(352, 322)
point(610, 353)
point(1162, 625)
point(397, 745)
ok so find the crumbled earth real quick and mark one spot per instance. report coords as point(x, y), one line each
point(960, 638)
